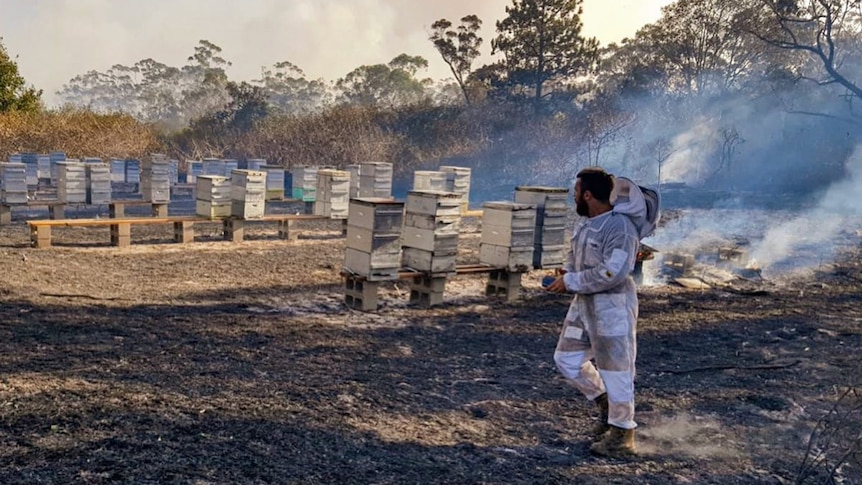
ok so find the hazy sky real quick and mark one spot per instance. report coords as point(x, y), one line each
point(58, 39)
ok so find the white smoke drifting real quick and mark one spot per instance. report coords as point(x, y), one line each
point(781, 242)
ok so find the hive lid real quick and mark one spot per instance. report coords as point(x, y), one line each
point(506, 205)
point(537, 188)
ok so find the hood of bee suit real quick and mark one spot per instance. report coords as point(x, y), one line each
point(640, 204)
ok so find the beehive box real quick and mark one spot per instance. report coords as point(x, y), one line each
point(333, 194)
point(375, 179)
point(517, 259)
point(98, 183)
point(156, 179)
point(433, 203)
point(429, 180)
point(71, 182)
point(212, 210)
point(551, 214)
point(13, 183)
point(377, 214)
point(458, 181)
point(429, 262)
point(353, 170)
point(274, 181)
point(373, 245)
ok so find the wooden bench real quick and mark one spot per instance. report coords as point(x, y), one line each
point(233, 228)
point(57, 209)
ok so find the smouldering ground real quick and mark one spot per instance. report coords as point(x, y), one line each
point(215, 363)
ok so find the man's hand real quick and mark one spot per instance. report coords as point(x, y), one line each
point(558, 286)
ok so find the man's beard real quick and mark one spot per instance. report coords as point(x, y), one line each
point(582, 208)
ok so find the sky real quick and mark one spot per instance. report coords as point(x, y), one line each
point(56, 40)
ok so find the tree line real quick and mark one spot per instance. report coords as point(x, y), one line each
point(710, 81)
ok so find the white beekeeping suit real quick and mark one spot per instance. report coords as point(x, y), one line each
point(602, 318)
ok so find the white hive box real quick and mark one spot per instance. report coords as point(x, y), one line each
point(13, 183)
point(373, 246)
point(375, 179)
point(383, 216)
point(305, 183)
point(458, 181)
point(433, 203)
point(353, 170)
point(428, 180)
point(156, 179)
point(427, 240)
point(71, 182)
point(212, 210)
point(213, 196)
point(98, 183)
point(442, 225)
point(513, 259)
point(248, 194)
point(333, 194)
point(551, 213)
point(428, 262)
point(508, 224)
point(213, 188)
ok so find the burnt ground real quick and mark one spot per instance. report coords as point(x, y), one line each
point(216, 363)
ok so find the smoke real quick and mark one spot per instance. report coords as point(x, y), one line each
point(59, 39)
point(817, 230)
point(782, 242)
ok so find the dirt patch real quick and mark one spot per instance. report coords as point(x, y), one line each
point(216, 363)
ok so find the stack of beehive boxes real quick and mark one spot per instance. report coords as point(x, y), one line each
point(71, 182)
point(98, 183)
point(274, 180)
point(305, 183)
point(13, 183)
point(508, 230)
point(212, 196)
point(430, 236)
point(373, 246)
point(549, 246)
point(333, 194)
point(428, 180)
point(155, 179)
point(248, 194)
point(458, 181)
point(255, 164)
point(353, 170)
point(375, 179)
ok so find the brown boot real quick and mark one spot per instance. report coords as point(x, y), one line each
point(602, 426)
point(619, 443)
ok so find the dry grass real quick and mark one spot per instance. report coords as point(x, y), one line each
point(77, 132)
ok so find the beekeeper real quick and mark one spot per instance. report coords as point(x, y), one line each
point(602, 318)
